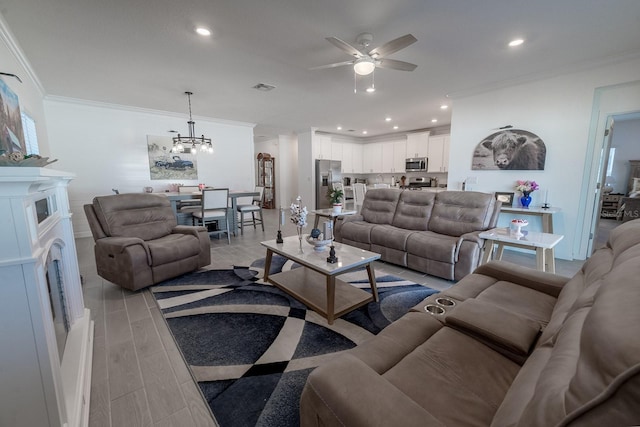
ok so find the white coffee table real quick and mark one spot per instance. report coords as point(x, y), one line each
point(315, 284)
point(541, 243)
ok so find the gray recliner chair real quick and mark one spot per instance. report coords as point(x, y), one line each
point(138, 242)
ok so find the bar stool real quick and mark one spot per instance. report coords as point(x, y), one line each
point(255, 206)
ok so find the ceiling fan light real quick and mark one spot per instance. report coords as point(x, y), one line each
point(364, 66)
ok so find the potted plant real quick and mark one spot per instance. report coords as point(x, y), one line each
point(335, 197)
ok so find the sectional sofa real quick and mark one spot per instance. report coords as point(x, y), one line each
point(435, 233)
point(505, 346)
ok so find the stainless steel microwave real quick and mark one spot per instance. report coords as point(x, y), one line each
point(417, 164)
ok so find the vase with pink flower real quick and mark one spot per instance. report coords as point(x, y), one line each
point(526, 188)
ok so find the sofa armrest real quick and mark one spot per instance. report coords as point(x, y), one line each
point(472, 237)
point(188, 229)
point(328, 398)
point(548, 283)
point(202, 235)
point(118, 245)
point(506, 332)
point(342, 220)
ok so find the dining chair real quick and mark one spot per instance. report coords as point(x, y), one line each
point(255, 206)
point(215, 208)
point(359, 189)
point(192, 205)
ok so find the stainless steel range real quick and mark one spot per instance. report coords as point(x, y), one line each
point(420, 182)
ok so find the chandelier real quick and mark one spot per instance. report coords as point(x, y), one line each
point(179, 142)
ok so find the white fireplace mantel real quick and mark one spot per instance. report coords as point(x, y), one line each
point(38, 387)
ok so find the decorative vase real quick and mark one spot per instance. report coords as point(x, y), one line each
point(337, 208)
point(299, 230)
point(525, 200)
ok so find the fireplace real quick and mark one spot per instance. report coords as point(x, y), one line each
point(45, 330)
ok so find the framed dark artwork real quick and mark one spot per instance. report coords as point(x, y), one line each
point(511, 149)
point(163, 164)
point(505, 198)
point(11, 131)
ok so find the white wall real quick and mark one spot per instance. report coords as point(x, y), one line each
point(106, 146)
point(560, 111)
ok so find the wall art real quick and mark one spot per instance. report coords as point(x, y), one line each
point(511, 149)
point(11, 131)
point(163, 164)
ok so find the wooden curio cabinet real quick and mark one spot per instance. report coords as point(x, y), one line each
point(266, 178)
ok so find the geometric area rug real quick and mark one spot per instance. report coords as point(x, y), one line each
point(250, 346)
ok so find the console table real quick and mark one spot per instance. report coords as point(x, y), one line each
point(546, 214)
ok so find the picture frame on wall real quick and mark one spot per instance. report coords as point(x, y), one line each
point(11, 131)
point(505, 198)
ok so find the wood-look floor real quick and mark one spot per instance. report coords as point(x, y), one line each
point(139, 377)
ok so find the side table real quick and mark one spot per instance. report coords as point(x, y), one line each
point(541, 243)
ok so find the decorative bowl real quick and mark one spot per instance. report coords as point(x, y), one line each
point(318, 245)
point(516, 226)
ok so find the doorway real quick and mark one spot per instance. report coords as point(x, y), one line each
point(619, 146)
point(609, 101)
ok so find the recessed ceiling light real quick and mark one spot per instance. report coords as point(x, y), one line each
point(434, 120)
point(387, 119)
point(364, 132)
point(339, 127)
point(203, 31)
point(395, 127)
point(444, 107)
point(516, 42)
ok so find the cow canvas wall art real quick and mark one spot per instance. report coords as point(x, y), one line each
point(511, 149)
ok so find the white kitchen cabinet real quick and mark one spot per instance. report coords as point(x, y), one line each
point(394, 155)
point(438, 153)
point(347, 158)
point(357, 151)
point(417, 144)
point(387, 157)
point(322, 147)
point(399, 156)
point(372, 158)
point(336, 150)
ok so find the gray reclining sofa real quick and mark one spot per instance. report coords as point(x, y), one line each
point(435, 233)
point(520, 347)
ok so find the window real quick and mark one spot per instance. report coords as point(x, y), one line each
point(612, 154)
point(30, 137)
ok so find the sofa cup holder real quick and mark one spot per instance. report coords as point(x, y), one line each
point(445, 302)
point(436, 310)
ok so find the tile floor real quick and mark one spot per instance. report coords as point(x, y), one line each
point(139, 377)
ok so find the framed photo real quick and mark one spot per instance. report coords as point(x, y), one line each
point(505, 198)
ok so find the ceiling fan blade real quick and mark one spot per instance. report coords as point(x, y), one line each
point(393, 46)
point(395, 65)
point(344, 46)
point(337, 64)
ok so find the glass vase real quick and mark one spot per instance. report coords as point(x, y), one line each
point(525, 200)
point(299, 230)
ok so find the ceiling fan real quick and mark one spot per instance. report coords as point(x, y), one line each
point(367, 60)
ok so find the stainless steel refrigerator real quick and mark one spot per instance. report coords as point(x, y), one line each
point(327, 172)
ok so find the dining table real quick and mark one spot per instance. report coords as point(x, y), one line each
point(234, 195)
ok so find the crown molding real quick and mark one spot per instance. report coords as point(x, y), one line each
point(100, 104)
